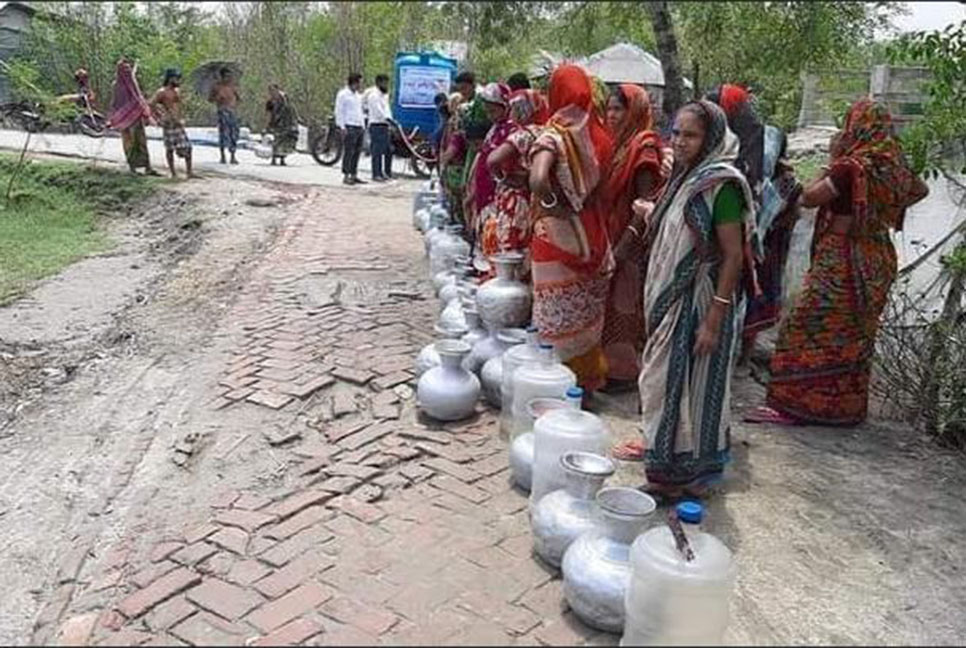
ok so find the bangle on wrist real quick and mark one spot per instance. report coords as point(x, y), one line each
point(634, 229)
point(551, 205)
point(721, 300)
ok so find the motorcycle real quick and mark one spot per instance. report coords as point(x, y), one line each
point(32, 117)
point(327, 147)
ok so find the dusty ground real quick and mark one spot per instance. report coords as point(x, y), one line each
point(148, 498)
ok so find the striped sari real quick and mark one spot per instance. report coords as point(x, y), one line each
point(685, 398)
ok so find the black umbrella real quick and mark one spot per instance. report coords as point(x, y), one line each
point(205, 76)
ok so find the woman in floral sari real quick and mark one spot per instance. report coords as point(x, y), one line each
point(636, 177)
point(496, 102)
point(571, 259)
point(700, 237)
point(509, 228)
point(820, 369)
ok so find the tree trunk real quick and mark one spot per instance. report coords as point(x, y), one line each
point(667, 51)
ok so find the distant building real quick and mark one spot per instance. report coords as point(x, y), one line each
point(15, 20)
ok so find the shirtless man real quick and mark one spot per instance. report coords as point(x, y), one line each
point(166, 105)
point(224, 95)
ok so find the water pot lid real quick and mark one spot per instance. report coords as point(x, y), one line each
point(690, 512)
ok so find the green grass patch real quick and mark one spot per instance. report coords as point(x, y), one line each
point(54, 215)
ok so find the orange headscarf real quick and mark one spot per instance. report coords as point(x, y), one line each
point(639, 147)
point(570, 86)
point(883, 185)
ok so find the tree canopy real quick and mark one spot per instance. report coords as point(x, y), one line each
point(309, 47)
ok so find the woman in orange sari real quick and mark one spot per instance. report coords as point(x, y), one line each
point(571, 259)
point(636, 176)
point(823, 358)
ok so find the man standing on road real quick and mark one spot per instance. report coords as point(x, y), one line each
point(224, 95)
point(377, 107)
point(166, 104)
point(349, 119)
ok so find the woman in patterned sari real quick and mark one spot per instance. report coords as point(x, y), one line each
point(571, 259)
point(700, 236)
point(509, 228)
point(820, 369)
point(636, 177)
point(129, 113)
point(496, 102)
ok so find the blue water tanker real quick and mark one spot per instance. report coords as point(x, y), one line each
point(418, 78)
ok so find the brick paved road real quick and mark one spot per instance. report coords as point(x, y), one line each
point(399, 531)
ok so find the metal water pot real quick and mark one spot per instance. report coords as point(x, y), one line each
point(596, 567)
point(453, 315)
point(428, 357)
point(561, 516)
point(488, 348)
point(491, 375)
point(448, 392)
point(505, 301)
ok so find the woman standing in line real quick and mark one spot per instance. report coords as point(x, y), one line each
point(571, 259)
point(699, 235)
point(636, 178)
point(823, 358)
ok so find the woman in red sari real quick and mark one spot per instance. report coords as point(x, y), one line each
point(823, 358)
point(571, 259)
point(509, 229)
point(636, 176)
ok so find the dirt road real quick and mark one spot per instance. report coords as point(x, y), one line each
point(210, 438)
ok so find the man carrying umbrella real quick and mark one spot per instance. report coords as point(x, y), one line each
point(224, 94)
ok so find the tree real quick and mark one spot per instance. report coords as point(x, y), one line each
point(667, 51)
point(933, 377)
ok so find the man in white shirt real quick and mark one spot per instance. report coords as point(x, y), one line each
point(349, 119)
point(376, 105)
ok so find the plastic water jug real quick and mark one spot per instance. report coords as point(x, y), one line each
point(521, 447)
point(547, 377)
point(513, 359)
point(681, 581)
point(558, 432)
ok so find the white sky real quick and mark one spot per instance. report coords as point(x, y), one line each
point(927, 16)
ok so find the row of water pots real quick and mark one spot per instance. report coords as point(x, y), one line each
point(618, 577)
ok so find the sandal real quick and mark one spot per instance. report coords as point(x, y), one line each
point(629, 451)
point(769, 415)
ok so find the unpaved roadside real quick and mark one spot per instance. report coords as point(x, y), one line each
point(100, 363)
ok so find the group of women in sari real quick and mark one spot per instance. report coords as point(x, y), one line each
point(652, 265)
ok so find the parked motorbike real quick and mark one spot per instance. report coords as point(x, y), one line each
point(327, 147)
point(32, 117)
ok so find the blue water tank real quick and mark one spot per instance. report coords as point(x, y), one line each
point(418, 78)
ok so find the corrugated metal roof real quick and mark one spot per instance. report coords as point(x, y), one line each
point(626, 63)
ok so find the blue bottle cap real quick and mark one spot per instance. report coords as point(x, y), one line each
point(575, 392)
point(690, 512)
point(544, 345)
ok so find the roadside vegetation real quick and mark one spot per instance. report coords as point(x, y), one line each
point(54, 216)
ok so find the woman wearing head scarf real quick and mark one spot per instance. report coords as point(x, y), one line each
point(571, 259)
point(129, 112)
point(820, 369)
point(636, 178)
point(509, 228)
point(282, 123)
point(700, 235)
point(496, 103)
point(776, 191)
point(452, 157)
